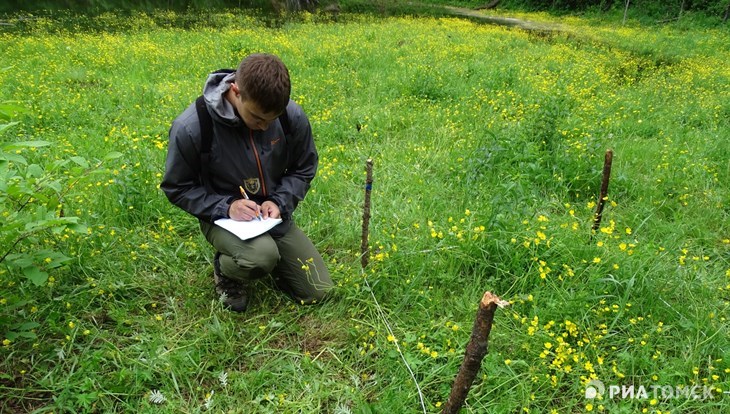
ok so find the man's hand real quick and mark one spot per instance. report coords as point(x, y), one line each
point(244, 210)
point(270, 209)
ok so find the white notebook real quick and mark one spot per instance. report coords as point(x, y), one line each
point(248, 229)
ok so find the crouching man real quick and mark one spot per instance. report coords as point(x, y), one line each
point(245, 151)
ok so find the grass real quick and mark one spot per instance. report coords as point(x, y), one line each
point(488, 146)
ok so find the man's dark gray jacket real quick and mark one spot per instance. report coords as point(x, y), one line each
point(268, 164)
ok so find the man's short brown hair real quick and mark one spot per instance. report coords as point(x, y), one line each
point(264, 79)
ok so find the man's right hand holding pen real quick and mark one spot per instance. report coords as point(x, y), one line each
point(244, 209)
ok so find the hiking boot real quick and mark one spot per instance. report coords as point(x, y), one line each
point(232, 292)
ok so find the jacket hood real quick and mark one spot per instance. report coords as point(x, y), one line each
point(214, 91)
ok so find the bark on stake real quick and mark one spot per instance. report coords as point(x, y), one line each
point(475, 352)
point(604, 190)
point(364, 250)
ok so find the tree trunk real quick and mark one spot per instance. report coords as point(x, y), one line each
point(492, 4)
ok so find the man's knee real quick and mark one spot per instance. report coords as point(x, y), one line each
point(262, 255)
point(265, 261)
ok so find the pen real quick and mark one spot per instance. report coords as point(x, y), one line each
point(243, 193)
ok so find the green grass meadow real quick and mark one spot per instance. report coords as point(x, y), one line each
point(488, 146)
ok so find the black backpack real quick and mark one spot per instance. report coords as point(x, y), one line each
point(206, 130)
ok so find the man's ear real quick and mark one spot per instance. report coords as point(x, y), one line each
point(235, 89)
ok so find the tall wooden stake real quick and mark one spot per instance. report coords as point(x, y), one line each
point(608, 160)
point(475, 352)
point(364, 250)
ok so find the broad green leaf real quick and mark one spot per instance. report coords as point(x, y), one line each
point(52, 259)
point(3, 127)
point(19, 260)
point(27, 326)
point(11, 146)
point(35, 170)
point(50, 222)
point(77, 227)
point(8, 110)
point(55, 186)
point(112, 155)
point(35, 275)
point(80, 161)
point(13, 157)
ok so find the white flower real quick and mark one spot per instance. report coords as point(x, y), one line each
point(209, 400)
point(342, 409)
point(156, 397)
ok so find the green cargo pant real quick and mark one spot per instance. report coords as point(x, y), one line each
point(292, 260)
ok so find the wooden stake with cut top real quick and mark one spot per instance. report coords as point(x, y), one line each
point(475, 352)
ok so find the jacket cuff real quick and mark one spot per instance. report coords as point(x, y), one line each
point(221, 209)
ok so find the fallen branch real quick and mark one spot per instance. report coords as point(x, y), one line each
point(608, 160)
point(475, 352)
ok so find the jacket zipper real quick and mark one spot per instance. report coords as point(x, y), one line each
point(258, 162)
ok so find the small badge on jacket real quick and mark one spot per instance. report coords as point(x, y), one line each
point(253, 185)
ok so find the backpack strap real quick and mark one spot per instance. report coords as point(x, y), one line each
point(206, 137)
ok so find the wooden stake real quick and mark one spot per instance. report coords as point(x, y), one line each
point(608, 160)
point(364, 250)
point(475, 352)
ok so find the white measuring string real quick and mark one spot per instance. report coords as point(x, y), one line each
point(395, 340)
